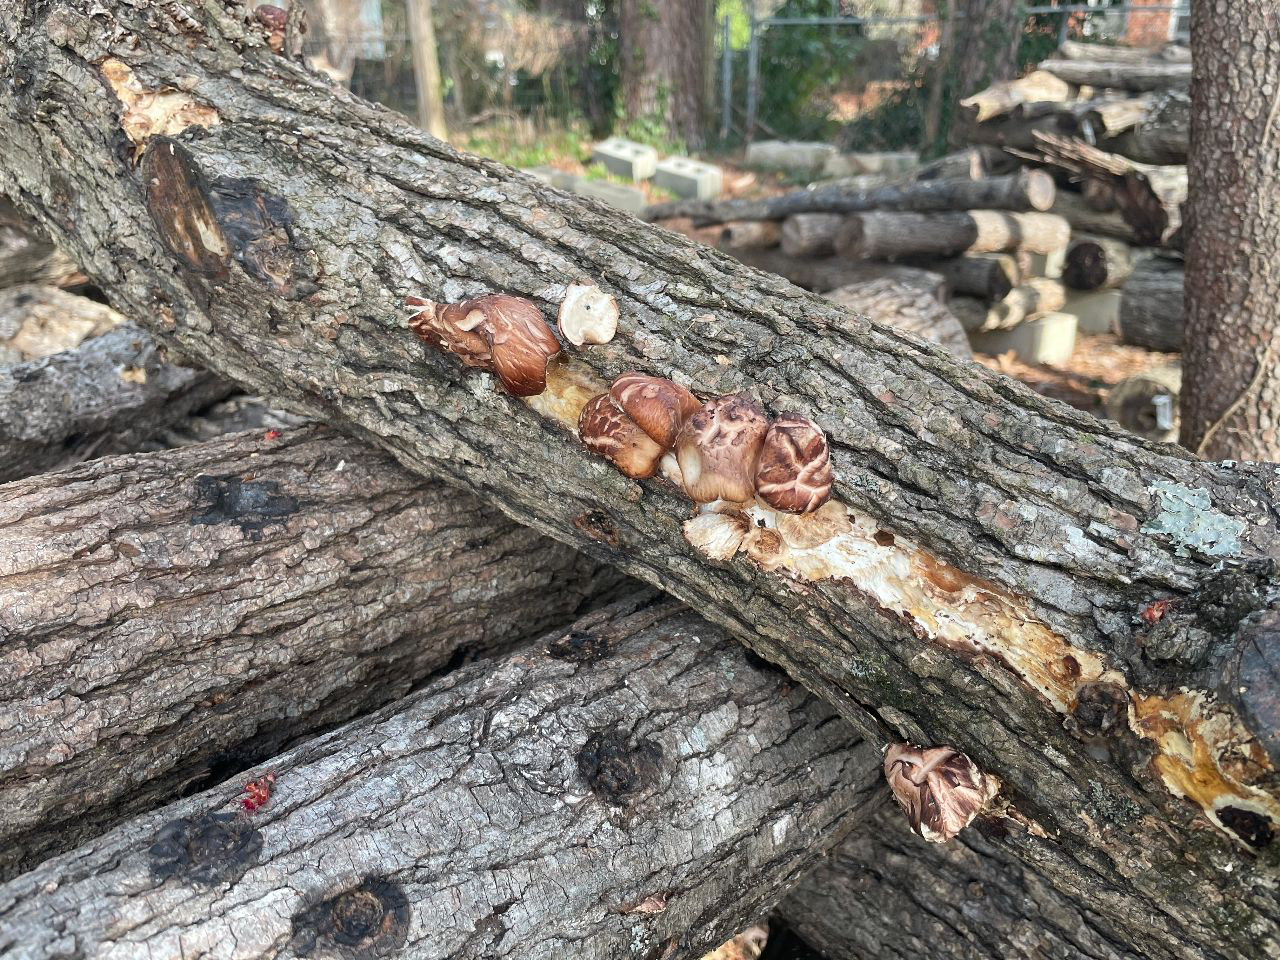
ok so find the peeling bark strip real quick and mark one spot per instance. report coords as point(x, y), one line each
point(1012, 537)
point(645, 803)
point(168, 617)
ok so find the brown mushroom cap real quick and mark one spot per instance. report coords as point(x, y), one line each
point(940, 788)
point(451, 328)
point(718, 447)
point(659, 407)
point(794, 471)
point(606, 430)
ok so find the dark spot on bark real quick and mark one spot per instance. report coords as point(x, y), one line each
point(1100, 709)
point(178, 201)
point(1116, 809)
point(367, 921)
point(991, 828)
point(207, 849)
point(1232, 594)
point(597, 525)
point(578, 646)
point(1253, 828)
point(259, 228)
point(884, 538)
point(763, 664)
point(253, 505)
point(618, 769)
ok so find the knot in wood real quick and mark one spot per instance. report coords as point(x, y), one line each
point(618, 769)
point(578, 646)
point(366, 921)
point(207, 849)
point(1100, 709)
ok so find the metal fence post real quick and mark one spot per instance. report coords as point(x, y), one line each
point(726, 83)
point(753, 72)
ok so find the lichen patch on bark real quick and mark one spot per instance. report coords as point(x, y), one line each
point(1187, 518)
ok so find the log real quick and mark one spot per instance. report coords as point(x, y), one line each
point(1152, 312)
point(971, 163)
point(1110, 118)
point(907, 308)
point(1033, 295)
point(1140, 76)
point(1019, 132)
point(988, 276)
point(632, 786)
point(39, 321)
point(1147, 403)
point(883, 236)
point(1016, 539)
point(1113, 53)
point(886, 894)
point(1164, 135)
point(751, 235)
point(1099, 195)
point(1027, 190)
point(1095, 263)
point(109, 395)
point(1073, 208)
point(26, 256)
point(828, 273)
point(198, 610)
point(810, 234)
point(1039, 86)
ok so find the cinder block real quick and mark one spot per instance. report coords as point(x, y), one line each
point(614, 194)
point(789, 156)
point(625, 158)
point(557, 178)
point(1097, 310)
point(689, 178)
point(1045, 338)
point(1048, 264)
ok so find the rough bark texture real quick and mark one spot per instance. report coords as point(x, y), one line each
point(908, 307)
point(39, 321)
point(885, 894)
point(1140, 76)
point(1029, 190)
point(1152, 309)
point(109, 395)
point(1094, 263)
point(634, 787)
point(883, 236)
point(1163, 136)
point(1001, 545)
point(828, 273)
point(1232, 359)
point(664, 64)
point(168, 616)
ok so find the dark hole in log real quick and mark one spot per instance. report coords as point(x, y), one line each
point(884, 538)
point(617, 769)
point(1100, 708)
point(1253, 828)
point(207, 849)
point(578, 646)
point(366, 921)
point(253, 505)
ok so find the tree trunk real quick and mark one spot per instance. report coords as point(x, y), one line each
point(751, 235)
point(1035, 87)
point(1163, 136)
point(1231, 405)
point(810, 234)
point(1147, 403)
point(426, 68)
point(664, 65)
point(911, 308)
point(631, 787)
point(989, 276)
point(1029, 190)
point(832, 272)
point(1094, 263)
point(109, 395)
point(1151, 305)
point(201, 608)
point(1033, 295)
point(883, 236)
point(39, 321)
point(999, 546)
point(1140, 77)
point(987, 33)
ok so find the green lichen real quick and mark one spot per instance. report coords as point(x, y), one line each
point(1117, 810)
point(1186, 516)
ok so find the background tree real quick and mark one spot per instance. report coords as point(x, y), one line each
point(984, 50)
point(663, 65)
point(1231, 395)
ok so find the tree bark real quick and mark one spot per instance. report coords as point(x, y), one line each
point(810, 234)
point(109, 395)
point(831, 272)
point(1094, 263)
point(1017, 540)
point(631, 787)
point(989, 276)
point(1029, 190)
point(1164, 135)
point(883, 236)
point(1036, 87)
point(39, 321)
point(1033, 295)
point(986, 36)
point(905, 307)
point(664, 65)
point(1152, 310)
point(199, 609)
point(1231, 405)
point(1140, 76)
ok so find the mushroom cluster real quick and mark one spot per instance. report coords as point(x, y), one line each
point(723, 450)
point(940, 788)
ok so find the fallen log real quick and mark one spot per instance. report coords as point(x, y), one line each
point(810, 234)
point(751, 235)
point(971, 163)
point(109, 395)
point(1027, 190)
point(1140, 76)
point(828, 273)
point(1110, 118)
point(1147, 403)
point(1073, 208)
point(1039, 86)
point(905, 307)
point(999, 546)
point(1095, 263)
point(1033, 295)
point(39, 321)
point(168, 619)
point(633, 786)
point(1019, 132)
point(884, 236)
point(884, 893)
point(1114, 53)
point(989, 276)
point(1152, 312)
point(1164, 135)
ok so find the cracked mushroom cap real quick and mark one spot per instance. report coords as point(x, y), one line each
point(659, 407)
point(940, 788)
point(794, 471)
point(718, 447)
point(588, 315)
point(605, 429)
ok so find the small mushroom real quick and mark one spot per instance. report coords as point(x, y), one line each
point(500, 333)
point(659, 407)
point(718, 448)
point(940, 788)
point(794, 471)
point(588, 315)
point(605, 429)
